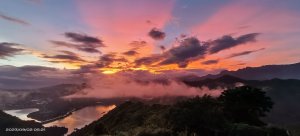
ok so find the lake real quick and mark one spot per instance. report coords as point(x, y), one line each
point(22, 113)
point(82, 117)
point(77, 119)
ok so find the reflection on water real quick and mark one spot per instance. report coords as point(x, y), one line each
point(82, 117)
point(21, 113)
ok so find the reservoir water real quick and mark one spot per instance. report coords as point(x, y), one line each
point(82, 117)
point(21, 113)
point(77, 119)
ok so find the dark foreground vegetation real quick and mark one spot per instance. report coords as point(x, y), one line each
point(237, 112)
point(13, 126)
point(285, 93)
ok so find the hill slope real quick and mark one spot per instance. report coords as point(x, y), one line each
point(195, 116)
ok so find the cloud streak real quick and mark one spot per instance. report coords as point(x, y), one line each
point(81, 42)
point(210, 62)
point(79, 47)
point(14, 20)
point(64, 57)
point(84, 39)
point(243, 53)
point(104, 61)
point(9, 50)
point(131, 53)
point(148, 60)
point(227, 42)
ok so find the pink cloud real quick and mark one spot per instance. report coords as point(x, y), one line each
point(278, 27)
point(143, 85)
point(119, 22)
point(245, 17)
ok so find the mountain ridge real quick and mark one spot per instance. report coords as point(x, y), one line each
point(284, 71)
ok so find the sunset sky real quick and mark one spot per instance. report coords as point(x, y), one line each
point(154, 35)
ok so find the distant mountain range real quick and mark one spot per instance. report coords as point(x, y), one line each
point(27, 97)
point(31, 77)
point(290, 71)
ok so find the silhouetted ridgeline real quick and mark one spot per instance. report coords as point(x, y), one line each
point(290, 71)
point(195, 116)
point(13, 126)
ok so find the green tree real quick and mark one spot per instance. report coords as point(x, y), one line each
point(246, 105)
point(200, 115)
